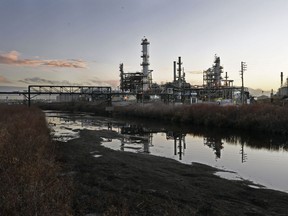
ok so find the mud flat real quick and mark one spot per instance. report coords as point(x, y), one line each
point(111, 182)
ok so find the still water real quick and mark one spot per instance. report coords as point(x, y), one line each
point(256, 157)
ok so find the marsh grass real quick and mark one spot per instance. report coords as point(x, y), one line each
point(258, 117)
point(30, 183)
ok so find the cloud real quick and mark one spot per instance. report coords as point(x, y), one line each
point(112, 83)
point(95, 82)
point(13, 58)
point(41, 81)
point(65, 63)
point(4, 80)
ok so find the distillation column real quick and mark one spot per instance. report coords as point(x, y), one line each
point(217, 69)
point(145, 65)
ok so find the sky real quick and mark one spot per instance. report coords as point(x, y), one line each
point(82, 42)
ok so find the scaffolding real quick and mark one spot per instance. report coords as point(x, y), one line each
point(214, 86)
point(212, 77)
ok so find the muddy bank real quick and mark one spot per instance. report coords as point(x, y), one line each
point(121, 183)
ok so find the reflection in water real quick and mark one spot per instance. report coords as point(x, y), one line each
point(133, 135)
point(179, 142)
point(215, 143)
point(257, 157)
point(242, 153)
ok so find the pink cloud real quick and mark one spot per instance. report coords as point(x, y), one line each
point(64, 63)
point(12, 58)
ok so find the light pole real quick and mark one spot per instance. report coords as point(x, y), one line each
point(243, 68)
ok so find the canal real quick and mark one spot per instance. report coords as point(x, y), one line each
point(256, 157)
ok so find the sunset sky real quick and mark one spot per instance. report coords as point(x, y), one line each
point(82, 42)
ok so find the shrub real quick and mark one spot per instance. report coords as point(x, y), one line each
point(258, 117)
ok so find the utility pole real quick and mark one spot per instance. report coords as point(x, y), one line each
point(243, 68)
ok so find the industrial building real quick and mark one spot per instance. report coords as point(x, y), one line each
point(214, 88)
point(137, 82)
point(283, 90)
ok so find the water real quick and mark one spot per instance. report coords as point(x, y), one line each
point(258, 158)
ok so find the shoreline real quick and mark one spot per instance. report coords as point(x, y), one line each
point(124, 183)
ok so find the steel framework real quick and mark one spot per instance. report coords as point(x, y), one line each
point(93, 91)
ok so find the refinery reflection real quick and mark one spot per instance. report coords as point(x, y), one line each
point(179, 142)
point(140, 139)
point(135, 138)
point(215, 143)
point(252, 155)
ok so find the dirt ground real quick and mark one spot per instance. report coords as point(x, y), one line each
point(123, 183)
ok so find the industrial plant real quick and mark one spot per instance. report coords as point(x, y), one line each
point(138, 87)
point(215, 88)
point(283, 90)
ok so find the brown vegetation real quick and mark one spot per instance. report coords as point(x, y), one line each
point(258, 117)
point(98, 108)
point(30, 179)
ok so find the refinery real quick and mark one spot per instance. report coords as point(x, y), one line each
point(215, 87)
point(138, 87)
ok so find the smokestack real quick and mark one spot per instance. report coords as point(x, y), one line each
point(179, 68)
point(281, 79)
point(121, 77)
point(174, 70)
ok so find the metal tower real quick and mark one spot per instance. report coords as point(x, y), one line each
point(145, 65)
point(212, 77)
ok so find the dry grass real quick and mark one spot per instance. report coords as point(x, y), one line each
point(30, 183)
point(79, 106)
point(258, 117)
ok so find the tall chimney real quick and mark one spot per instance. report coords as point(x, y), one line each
point(174, 70)
point(179, 68)
point(281, 79)
point(121, 77)
point(145, 63)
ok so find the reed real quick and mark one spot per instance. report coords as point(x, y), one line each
point(30, 179)
point(258, 117)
